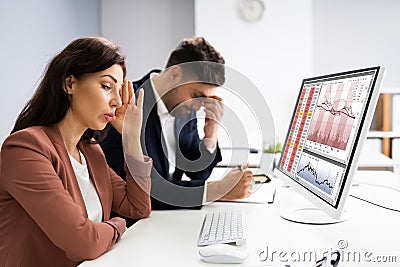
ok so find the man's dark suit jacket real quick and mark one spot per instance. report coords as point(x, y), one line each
point(191, 153)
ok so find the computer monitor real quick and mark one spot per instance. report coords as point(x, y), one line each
point(329, 125)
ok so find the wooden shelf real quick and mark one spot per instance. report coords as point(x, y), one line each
point(383, 122)
point(383, 134)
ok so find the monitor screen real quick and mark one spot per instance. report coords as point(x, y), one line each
point(329, 124)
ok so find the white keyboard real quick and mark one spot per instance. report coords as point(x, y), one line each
point(225, 226)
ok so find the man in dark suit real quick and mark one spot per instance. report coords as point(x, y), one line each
point(170, 135)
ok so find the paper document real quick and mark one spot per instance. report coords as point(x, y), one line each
point(265, 194)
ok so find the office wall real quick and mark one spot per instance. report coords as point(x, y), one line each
point(294, 39)
point(275, 52)
point(147, 30)
point(31, 33)
point(357, 33)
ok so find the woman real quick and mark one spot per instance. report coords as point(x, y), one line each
point(56, 189)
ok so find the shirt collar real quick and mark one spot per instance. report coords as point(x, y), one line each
point(161, 108)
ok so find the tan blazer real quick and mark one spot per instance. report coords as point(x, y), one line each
point(43, 219)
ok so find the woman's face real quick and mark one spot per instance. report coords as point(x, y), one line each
point(95, 97)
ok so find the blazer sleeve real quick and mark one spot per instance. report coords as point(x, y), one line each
point(191, 150)
point(131, 198)
point(33, 182)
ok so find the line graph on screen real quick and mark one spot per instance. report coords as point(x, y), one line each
point(319, 173)
point(335, 114)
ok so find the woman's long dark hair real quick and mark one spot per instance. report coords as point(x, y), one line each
point(50, 102)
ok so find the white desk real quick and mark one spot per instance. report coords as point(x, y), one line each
point(168, 238)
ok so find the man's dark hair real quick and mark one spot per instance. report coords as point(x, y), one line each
point(211, 64)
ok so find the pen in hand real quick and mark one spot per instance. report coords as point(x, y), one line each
point(253, 182)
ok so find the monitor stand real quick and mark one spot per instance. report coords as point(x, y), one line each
point(311, 215)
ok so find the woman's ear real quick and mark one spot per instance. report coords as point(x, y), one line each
point(68, 84)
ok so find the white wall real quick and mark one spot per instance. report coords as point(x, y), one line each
point(147, 30)
point(358, 33)
point(31, 33)
point(295, 39)
point(275, 52)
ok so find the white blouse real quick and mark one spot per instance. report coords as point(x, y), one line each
point(88, 191)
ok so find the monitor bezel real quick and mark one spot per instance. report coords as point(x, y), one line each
point(335, 211)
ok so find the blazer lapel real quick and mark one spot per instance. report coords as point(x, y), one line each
point(73, 187)
point(151, 136)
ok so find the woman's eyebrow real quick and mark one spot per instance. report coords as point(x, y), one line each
point(109, 75)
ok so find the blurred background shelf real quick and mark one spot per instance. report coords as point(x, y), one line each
point(384, 134)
